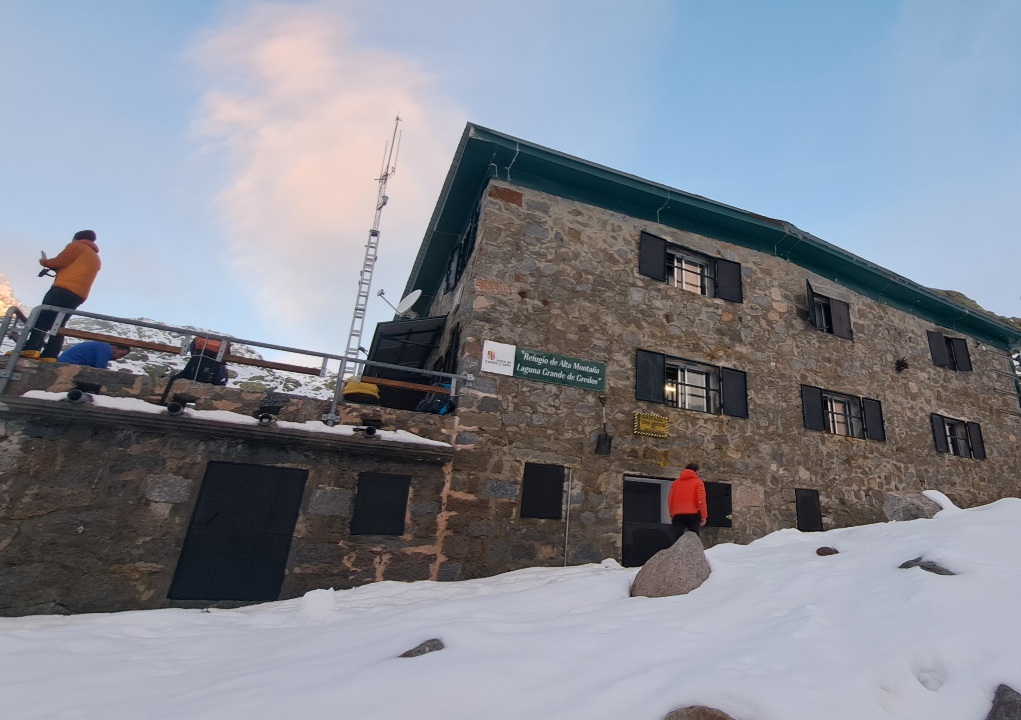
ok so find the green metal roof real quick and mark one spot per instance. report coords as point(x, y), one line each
point(484, 154)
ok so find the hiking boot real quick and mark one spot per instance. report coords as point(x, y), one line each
point(30, 354)
point(47, 360)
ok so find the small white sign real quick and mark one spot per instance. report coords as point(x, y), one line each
point(498, 357)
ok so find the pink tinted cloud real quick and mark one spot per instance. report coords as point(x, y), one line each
point(302, 116)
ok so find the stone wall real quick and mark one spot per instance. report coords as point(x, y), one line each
point(559, 276)
point(95, 503)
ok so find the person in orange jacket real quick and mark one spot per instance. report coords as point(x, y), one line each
point(686, 502)
point(77, 266)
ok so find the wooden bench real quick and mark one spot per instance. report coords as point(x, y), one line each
point(176, 350)
point(406, 385)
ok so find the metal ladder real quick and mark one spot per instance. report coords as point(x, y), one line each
point(354, 338)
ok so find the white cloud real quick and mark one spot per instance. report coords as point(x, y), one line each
point(303, 113)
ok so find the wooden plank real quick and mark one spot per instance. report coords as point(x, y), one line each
point(406, 385)
point(176, 350)
point(305, 369)
point(113, 340)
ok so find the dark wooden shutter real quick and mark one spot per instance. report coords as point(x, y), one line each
point(381, 502)
point(542, 491)
point(939, 433)
point(809, 510)
point(643, 502)
point(840, 311)
point(650, 375)
point(719, 505)
point(811, 306)
point(978, 448)
point(735, 392)
point(962, 361)
point(938, 348)
point(872, 410)
point(728, 280)
point(652, 257)
point(812, 407)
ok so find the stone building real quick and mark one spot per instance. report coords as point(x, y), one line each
point(616, 330)
point(619, 329)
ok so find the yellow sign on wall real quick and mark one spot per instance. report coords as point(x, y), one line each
point(650, 425)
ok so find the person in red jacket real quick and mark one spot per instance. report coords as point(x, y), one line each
point(686, 501)
point(77, 266)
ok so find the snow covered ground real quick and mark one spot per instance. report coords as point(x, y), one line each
point(776, 633)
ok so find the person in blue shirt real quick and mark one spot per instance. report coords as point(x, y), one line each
point(93, 354)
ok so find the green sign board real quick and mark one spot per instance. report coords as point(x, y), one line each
point(559, 369)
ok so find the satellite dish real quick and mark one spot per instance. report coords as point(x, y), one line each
point(408, 302)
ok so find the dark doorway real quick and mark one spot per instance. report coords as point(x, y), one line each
point(809, 510)
point(240, 533)
point(720, 506)
point(647, 529)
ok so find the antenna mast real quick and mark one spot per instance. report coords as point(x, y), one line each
point(354, 339)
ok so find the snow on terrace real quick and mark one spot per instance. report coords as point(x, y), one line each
point(225, 416)
point(775, 633)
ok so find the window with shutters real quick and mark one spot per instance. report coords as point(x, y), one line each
point(829, 315)
point(692, 271)
point(842, 414)
point(949, 352)
point(958, 437)
point(690, 385)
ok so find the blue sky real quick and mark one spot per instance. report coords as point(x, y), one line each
point(226, 152)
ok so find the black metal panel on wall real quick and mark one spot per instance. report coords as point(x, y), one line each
point(240, 533)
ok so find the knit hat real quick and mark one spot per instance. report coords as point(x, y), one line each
point(85, 235)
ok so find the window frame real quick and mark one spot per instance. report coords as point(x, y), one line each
point(847, 422)
point(682, 263)
point(711, 401)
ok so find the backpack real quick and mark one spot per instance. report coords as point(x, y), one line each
point(203, 366)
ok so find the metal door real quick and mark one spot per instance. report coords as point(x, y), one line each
point(240, 533)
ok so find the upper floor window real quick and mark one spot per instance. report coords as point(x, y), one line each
point(842, 414)
point(460, 253)
point(949, 352)
point(829, 314)
point(692, 271)
point(690, 385)
point(958, 437)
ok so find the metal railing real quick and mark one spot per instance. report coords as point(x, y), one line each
point(18, 327)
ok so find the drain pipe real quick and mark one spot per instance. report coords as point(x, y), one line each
point(176, 409)
point(79, 397)
point(567, 529)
